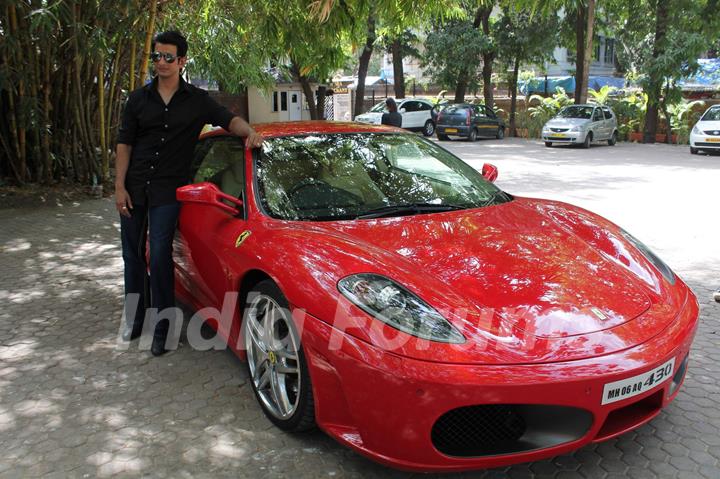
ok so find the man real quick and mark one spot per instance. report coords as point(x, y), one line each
point(392, 117)
point(159, 129)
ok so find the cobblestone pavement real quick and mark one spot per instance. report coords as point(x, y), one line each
point(74, 402)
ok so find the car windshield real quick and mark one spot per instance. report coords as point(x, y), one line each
point(363, 175)
point(576, 111)
point(379, 108)
point(713, 114)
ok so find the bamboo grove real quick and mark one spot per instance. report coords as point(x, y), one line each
point(65, 68)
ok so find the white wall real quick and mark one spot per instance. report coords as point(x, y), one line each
point(260, 104)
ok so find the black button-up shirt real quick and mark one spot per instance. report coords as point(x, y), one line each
point(163, 139)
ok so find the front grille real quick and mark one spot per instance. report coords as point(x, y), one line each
point(707, 143)
point(712, 132)
point(559, 130)
point(493, 429)
point(468, 430)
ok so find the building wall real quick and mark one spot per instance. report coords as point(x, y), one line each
point(262, 107)
point(604, 65)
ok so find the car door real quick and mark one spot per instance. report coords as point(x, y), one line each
point(492, 122)
point(410, 115)
point(201, 246)
point(424, 112)
point(482, 121)
point(598, 125)
point(610, 121)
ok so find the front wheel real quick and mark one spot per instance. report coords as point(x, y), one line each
point(500, 133)
point(588, 139)
point(693, 151)
point(613, 139)
point(548, 144)
point(429, 128)
point(472, 136)
point(275, 359)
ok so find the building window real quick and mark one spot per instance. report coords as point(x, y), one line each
point(275, 101)
point(283, 101)
point(609, 51)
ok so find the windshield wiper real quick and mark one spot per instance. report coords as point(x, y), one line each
point(408, 209)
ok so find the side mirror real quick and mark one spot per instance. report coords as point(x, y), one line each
point(208, 193)
point(490, 172)
point(403, 110)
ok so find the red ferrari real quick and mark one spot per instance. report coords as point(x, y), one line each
point(394, 297)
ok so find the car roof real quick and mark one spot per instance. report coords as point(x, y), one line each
point(293, 128)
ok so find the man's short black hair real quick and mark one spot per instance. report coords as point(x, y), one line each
point(172, 37)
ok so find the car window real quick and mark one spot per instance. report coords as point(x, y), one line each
point(422, 106)
point(480, 111)
point(713, 114)
point(410, 106)
point(224, 165)
point(597, 115)
point(607, 112)
point(489, 112)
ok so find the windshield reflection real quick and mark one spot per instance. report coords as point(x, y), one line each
point(346, 176)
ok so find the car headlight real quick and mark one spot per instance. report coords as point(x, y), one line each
point(652, 257)
point(574, 129)
point(696, 130)
point(384, 299)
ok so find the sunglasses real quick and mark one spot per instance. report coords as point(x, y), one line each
point(156, 56)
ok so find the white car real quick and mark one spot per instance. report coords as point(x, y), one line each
point(705, 135)
point(415, 114)
point(581, 124)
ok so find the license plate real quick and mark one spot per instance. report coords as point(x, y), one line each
point(557, 135)
point(450, 130)
point(713, 140)
point(627, 388)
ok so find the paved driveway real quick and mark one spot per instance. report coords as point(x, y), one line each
point(76, 403)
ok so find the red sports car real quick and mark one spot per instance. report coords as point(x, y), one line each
point(394, 297)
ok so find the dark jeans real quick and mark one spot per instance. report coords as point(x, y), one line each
point(158, 289)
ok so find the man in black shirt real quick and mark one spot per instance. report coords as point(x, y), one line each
point(160, 127)
point(392, 117)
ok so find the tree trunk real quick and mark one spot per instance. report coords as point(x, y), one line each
point(133, 60)
point(306, 88)
point(588, 55)
point(464, 76)
point(364, 63)
point(513, 96)
point(488, 58)
point(580, 25)
point(148, 42)
point(47, 159)
point(322, 90)
point(398, 71)
point(105, 171)
point(654, 89)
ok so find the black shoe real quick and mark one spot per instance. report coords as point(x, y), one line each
point(131, 332)
point(158, 346)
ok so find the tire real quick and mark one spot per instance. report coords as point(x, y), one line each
point(429, 128)
point(694, 151)
point(588, 139)
point(472, 136)
point(500, 133)
point(442, 137)
point(613, 139)
point(548, 144)
point(286, 397)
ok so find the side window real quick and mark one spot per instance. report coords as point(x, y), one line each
point(410, 106)
point(224, 165)
point(608, 113)
point(424, 106)
point(489, 112)
point(597, 115)
point(480, 111)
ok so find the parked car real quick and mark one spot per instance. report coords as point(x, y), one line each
point(415, 113)
point(395, 297)
point(705, 135)
point(581, 125)
point(468, 121)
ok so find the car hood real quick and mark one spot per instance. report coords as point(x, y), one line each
point(566, 122)
point(708, 125)
point(518, 276)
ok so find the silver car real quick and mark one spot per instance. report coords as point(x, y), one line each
point(581, 124)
